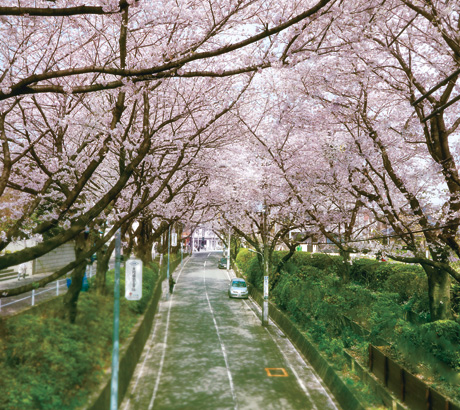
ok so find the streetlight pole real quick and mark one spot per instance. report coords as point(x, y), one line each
point(167, 269)
point(265, 263)
point(116, 325)
point(229, 239)
point(265, 301)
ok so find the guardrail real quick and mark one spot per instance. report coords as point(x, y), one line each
point(51, 287)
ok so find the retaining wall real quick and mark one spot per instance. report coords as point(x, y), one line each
point(55, 260)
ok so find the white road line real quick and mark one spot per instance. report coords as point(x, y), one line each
point(299, 381)
point(307, 365)
point(165, 341)
point(224, 353)
point(143, 363)
point(147, 356)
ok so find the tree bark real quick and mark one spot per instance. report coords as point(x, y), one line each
point(82, 245)
point(345, 268)
point(103, 259)
point(439, 285)
point(145, 240)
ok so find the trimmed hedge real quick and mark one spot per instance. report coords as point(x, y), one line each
point(378, 297)
point(47, 363)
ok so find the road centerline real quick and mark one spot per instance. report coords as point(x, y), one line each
point(224, 353)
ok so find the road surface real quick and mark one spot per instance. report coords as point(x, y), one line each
point(207, 351)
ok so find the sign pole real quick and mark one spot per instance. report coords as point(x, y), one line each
point(116, 324)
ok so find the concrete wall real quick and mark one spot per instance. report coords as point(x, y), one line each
point(56, 259)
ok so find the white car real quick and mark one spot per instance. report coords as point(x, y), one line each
point(238, 289)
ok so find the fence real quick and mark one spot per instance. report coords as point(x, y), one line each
point(51, 287)
point(409, 389)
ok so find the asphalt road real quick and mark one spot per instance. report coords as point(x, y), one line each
point(207, 351)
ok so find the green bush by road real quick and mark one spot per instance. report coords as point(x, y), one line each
point(379, 295)
point(47, 363)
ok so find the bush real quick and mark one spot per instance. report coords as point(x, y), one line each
point(254, 273)
point(47, 363)
point(440, 338)
point(408, 280)
point(369, 273)
point(328, 263)
point(385, 314)
point(243, 258)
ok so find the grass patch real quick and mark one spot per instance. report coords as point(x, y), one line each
point(47, 363)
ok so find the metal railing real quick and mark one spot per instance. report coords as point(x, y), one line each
point(51, 287)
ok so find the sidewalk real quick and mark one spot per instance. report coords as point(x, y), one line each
point(14, 282)
point(14, 304)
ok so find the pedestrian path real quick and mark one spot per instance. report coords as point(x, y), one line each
point(14, 304)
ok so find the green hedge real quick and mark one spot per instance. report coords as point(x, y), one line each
point(47, 363)
point(313, 294)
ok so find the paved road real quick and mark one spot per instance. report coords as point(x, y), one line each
point(207, 351)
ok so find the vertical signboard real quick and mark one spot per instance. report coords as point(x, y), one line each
point(174, 239)
point(133, 279)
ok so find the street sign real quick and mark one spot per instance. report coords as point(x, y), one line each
point(174, 239)
point(265, 287)
point(133, 279)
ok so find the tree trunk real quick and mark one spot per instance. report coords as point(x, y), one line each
point(439, 284)
point(277, 274)
point(82, 244)
point(345, 268)
point(145, 240)
point(103, 259)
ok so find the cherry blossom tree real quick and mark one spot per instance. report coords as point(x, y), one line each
point(68, 49)
point(388, 155)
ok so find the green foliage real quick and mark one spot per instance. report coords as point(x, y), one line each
point(329, 263)
point(243, 259)
point(385, 314)
point(255, 273)
point(370, 273)
point(440, 338)
point(47, 363)
point(411, 284)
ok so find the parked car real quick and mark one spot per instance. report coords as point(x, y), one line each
point(238, 289)
point(222, 263)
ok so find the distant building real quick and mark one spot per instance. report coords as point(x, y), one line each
point(204, 239)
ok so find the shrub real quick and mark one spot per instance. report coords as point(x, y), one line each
point(47, 363)
point(243, 258)
point(440, 338)
point(408, 280)
point(385, 314)
point(328, 263)
point(369, 273)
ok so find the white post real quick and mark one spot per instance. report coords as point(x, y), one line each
point(33, 297)
point(0, 305)
point(228, 256)
point(57, 287)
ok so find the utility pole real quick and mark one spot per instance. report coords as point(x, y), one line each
point(229, 242)
point(167, 270)
point(116, 325)
point(265, 266)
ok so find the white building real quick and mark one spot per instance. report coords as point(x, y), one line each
point(204, 239)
